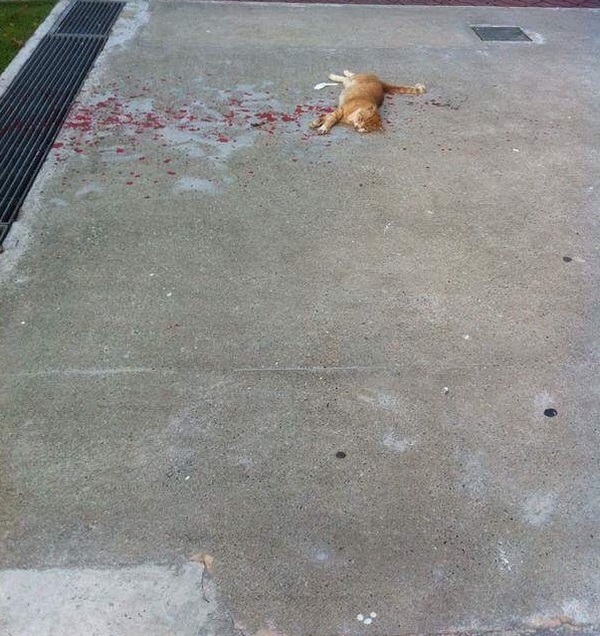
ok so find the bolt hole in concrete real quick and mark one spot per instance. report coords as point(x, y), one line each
point(550, 412)
point(340, 454)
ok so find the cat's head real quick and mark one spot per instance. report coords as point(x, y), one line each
point(368, 120)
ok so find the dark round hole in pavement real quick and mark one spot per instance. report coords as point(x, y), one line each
point(340, 454)
point(550, 412)
point(567, 259)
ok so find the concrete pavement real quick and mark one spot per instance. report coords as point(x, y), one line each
point(323, 361)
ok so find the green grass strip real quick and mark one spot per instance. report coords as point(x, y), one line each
point(18, 21)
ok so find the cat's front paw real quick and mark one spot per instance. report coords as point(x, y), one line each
point(322, 130)
point(420, 88)
point(316, 123)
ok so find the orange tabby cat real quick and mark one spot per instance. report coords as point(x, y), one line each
point(360, 98)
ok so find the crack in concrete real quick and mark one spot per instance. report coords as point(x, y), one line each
point(92, 373)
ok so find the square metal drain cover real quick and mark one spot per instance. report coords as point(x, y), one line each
point(501, 34)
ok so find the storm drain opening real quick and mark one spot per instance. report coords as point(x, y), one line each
point(89, 17)
point(501, 34)
point(37, 101)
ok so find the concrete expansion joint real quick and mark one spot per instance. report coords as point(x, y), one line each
point(559, 626)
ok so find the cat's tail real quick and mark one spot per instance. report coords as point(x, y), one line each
point(417, 89)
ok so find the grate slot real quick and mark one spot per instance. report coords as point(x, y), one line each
point(89, 17)
point(4, 227)
point(501, 33)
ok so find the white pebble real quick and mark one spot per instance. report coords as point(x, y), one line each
point(360, 617)
point(368, 621)
point(373, 615)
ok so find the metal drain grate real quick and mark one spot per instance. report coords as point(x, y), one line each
point(501, 34)
point(35, 105)
point(4, 227)
point(89, 17)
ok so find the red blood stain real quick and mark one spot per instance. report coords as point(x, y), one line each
point(267, 116)
point(118, 116)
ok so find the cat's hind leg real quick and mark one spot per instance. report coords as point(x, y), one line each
point(349, 74)
point(346, 81)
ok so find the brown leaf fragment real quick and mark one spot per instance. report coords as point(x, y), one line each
point(204, 559)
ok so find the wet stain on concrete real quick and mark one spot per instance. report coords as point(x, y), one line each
point(538, 508)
